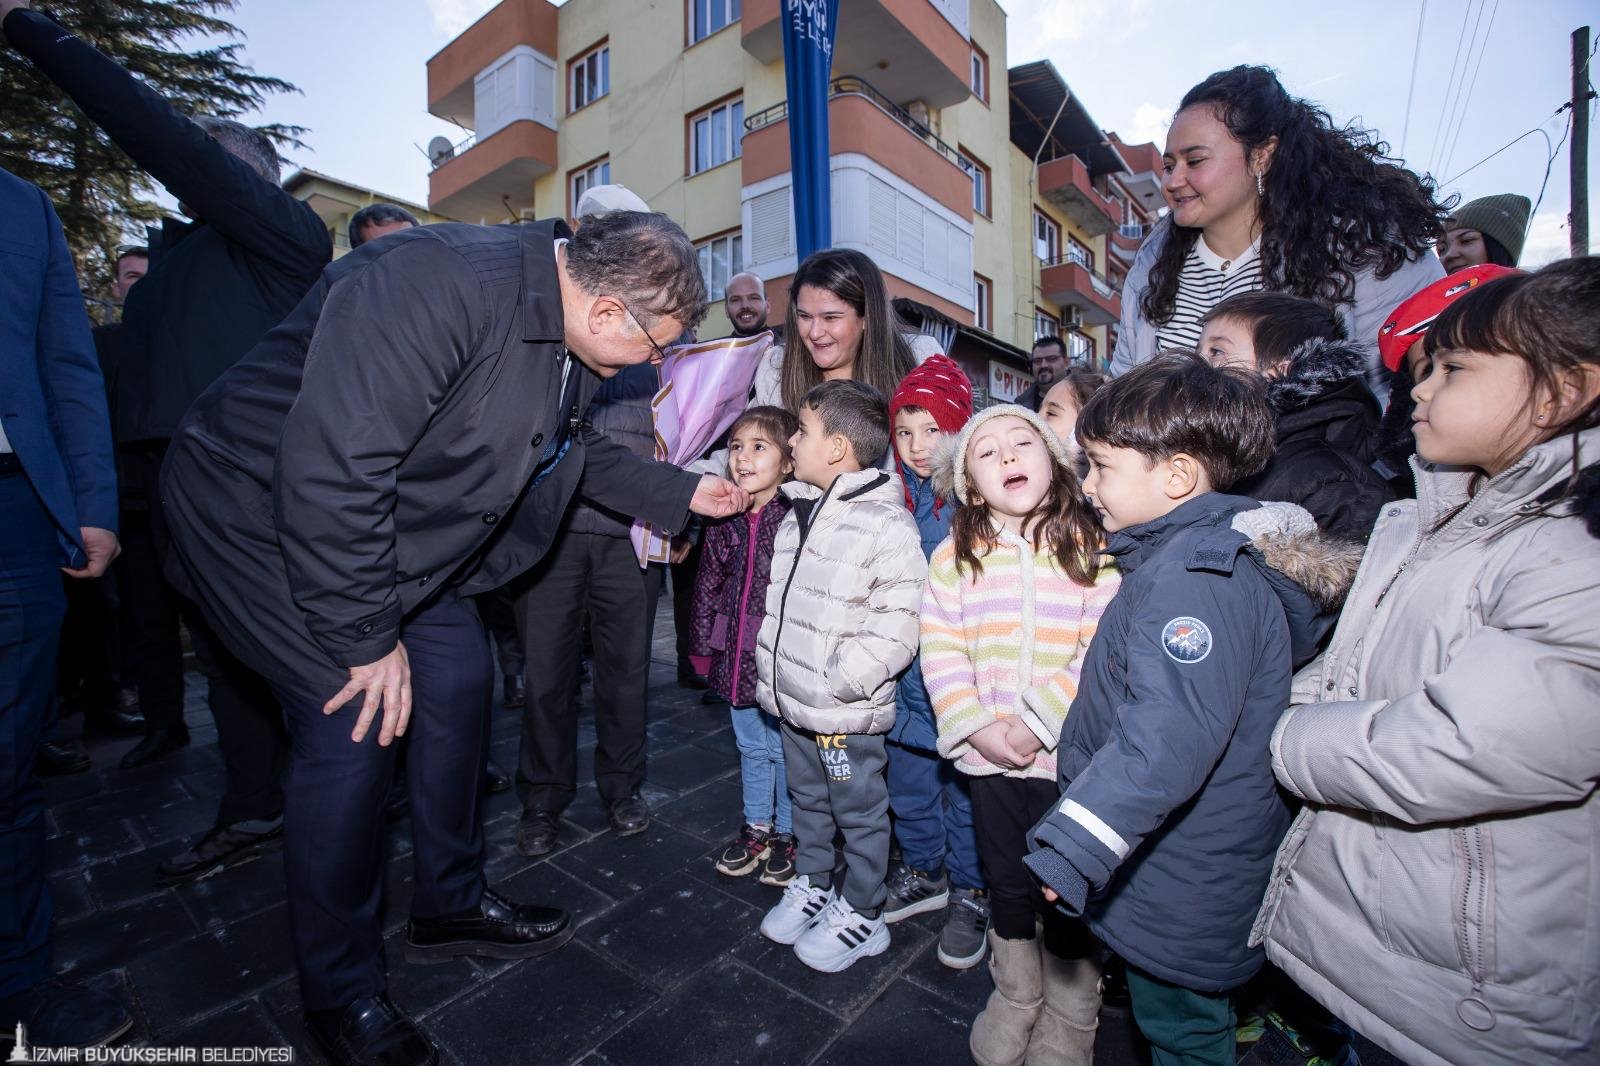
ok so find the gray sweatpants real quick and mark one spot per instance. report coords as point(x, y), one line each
point(837, 783)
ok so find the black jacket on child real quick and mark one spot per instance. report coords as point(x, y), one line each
point(1327, 438)
point(1164, 838)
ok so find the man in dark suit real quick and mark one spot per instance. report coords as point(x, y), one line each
point(411, 436)
point(215, 285)
point(58, 493)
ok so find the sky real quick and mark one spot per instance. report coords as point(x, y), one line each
point(1485, 73)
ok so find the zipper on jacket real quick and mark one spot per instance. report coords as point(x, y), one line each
point(804, 518)
point(752, 530)
point(1474, 892)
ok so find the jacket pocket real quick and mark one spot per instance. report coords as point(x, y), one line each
point(1473, 915)
point(1423, 890)
point(719, 634)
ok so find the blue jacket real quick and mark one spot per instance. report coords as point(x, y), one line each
point(52, 397)
point(914, 725)
point(1165, 836)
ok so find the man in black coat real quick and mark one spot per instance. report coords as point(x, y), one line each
point(214, 287)
point(410, 436)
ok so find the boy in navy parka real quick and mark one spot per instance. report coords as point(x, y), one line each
point(1164, 838)
point(932, 808)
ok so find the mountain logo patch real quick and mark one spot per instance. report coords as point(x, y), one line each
point(1186, 639)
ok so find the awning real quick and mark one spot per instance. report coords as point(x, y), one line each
point(1036, 92)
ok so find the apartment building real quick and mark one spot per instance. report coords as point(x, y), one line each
point(995, 205)
point(335, 201)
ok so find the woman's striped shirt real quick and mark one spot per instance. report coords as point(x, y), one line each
point(1205, 281)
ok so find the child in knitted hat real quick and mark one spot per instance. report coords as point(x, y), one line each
point(932, 808)
point(1014, 597)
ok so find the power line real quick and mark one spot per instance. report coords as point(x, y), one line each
point(1443, 147)
point(1550, 163)
point(1466, 105)
point(1411, 92)
point(1520, 137)
point(1450, 88)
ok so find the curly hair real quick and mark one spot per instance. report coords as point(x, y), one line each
point(1334, 201)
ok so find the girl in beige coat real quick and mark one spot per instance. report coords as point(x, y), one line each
point(1441, 889)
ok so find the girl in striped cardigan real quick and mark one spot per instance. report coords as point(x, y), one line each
point(1012, 601)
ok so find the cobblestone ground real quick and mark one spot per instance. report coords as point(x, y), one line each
point(667, 967)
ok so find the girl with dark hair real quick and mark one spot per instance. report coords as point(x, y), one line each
point(1267, 194)
point(1437, 892)
point(1491, 229)
point(841, 322)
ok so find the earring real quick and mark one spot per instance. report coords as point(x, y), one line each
point(1261, 187)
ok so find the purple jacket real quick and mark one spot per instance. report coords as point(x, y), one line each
point(730, 598)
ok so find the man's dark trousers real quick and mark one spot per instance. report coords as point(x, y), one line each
point(32, 605)
point(333, 818)
point(600, 574)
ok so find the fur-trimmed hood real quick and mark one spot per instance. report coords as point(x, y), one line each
point(1313, 371)
point(1286, 535)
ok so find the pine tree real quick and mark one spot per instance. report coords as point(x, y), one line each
point(103, 198)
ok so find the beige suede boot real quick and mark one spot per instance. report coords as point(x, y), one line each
point(1064, 1035)
point(1000, 1034)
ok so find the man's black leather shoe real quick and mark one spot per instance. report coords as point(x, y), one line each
point(370, 1032)
point(113, 721)
point(221, 847)
point(157, 744)
point(537, 832)
point(495, 779)
point(630, 816)
point(515, 691)
point(496, 927)
point(54, 1013)
point(55, 759)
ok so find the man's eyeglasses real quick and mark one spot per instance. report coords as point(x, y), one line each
point(661, 356)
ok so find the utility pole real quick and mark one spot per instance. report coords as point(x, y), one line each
point(1579, 158)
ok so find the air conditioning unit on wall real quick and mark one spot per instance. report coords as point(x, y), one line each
point(1073, 317)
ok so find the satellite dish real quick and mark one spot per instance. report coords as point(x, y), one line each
point(440, 149)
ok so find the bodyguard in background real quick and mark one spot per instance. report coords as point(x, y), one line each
point(58, 493)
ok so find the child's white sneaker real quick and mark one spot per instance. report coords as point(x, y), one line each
point(840, 936)
point(797, 909)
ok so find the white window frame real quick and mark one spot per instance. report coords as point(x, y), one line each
point(729, 11)
point(1080, 348)
point(595, 68)
point(983, 301)
point(978, 76)
point(596, 173)
point(731, 245)
point(1046, 237)
point(1080, 253)
point(1045, 324)
point(981, 185)
point(722, 145)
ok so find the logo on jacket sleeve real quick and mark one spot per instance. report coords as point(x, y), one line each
point(1186, 639)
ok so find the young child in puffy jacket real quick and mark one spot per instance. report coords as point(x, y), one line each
point(932, 806)
point(1014, 597)
point(1438, 890)
point(730, 600)
point(840, 627)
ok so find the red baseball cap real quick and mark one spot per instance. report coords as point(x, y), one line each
point(1413, 317)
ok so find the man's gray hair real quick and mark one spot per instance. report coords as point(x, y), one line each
point(645, 260)
point(250, 145)
point(377, 215)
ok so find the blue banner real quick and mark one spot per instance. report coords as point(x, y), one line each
point(808, 33)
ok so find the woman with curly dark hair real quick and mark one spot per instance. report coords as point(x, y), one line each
point(1267, 194)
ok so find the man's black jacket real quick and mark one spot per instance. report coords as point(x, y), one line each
point(215, 286)
point(403, 430)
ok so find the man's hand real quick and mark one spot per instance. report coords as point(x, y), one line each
point(718, 497)
point(681, 547)
point(993, 743)
point(8, 6)
point(387, 683)
point(99, 545)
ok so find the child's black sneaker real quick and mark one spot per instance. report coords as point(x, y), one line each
point(911, 891)
point(962, 942)
point(779, 866)
point(745, 853)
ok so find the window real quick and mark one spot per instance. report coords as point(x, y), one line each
point(1080, 348)
point(980, 183)
point(1046, 237)
point(586, 178)
point(708, 16)
point(1045, 324)
point(979, 78)
point(1079, 253)
point(716, 136)
point(591, 77)
point(720, 259)
point(983, 302)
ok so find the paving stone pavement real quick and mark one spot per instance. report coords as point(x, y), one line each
point(667, 967)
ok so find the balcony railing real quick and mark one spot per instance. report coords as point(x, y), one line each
point(456, 149)
point(1102, 288)
point(1136, 231)
point(857, 87)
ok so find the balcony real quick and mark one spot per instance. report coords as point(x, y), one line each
point(1145, 176)
point(491, 180)
point(914, 49)
point(1067, 283)
point(455, 68)
point(862, 121)
point(1065, 182)
point(1126, 238)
